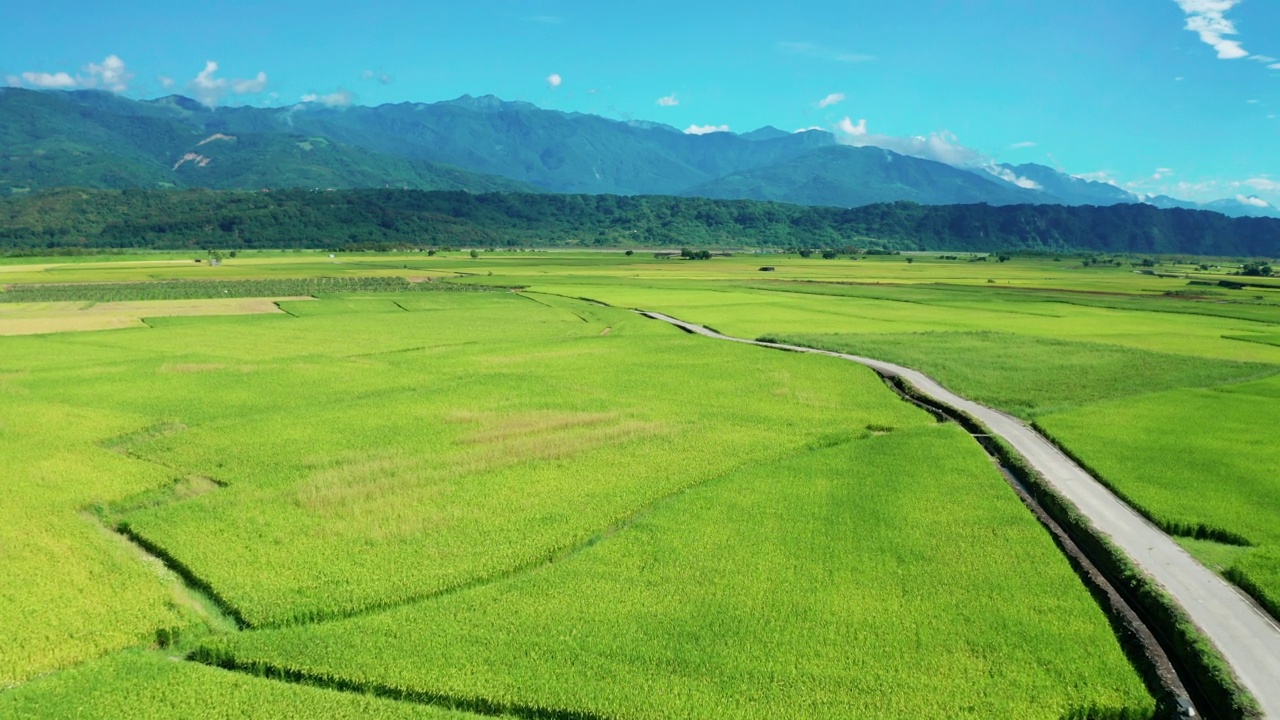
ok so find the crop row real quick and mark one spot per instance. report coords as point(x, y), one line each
point(202, 289)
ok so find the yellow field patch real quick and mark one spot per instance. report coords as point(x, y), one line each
point(58, 317)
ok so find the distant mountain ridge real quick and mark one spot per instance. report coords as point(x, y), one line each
point(484, 144)
point(842, 176)
point(99, 140)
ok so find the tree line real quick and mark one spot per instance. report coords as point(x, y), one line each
point(70, 220)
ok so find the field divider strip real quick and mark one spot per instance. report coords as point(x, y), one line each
point(475, 704)
point(1229, 645)
point(188, 576)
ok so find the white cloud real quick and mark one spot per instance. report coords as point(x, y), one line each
point(1252, 102)
point(1102, 176)
point(669, 101)
point(811, 128)
point(1023, 145)
point(822, 52)
point(941, 146)
point(250, 87)
point(1262, 184)
point(705, 129)
point(381, 77)
point(165, 82)
point(205, 87)
point(1208, 19)
point(832, 99)
point(59, 80)
point(1253, 200)
point(210, 90)
point(554, 81)
point(1010, 176)
point(1274, 67)
point(1209, 189)
point(847, 127)
point(1264, 59)
point(110, 75)
point(1156, 179)
point(339, 98)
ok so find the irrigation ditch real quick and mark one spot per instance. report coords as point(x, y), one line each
point(1182, 667)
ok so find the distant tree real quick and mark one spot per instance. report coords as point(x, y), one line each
point(1003, 258)
point(805, 252)
point(474, 254)
point(829, 255)
point(629, 253)
point(1257, 269)
point(688, 254)
point(910, 259)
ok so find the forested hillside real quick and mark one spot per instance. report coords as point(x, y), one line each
point(369, 218)
point(88, 138)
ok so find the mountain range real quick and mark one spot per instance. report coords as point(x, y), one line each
point(483, 144)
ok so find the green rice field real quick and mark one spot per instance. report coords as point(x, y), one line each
point(389, 500)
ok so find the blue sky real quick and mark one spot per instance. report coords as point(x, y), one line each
point(1158, 96)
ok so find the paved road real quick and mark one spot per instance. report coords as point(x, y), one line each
point(1247, 637)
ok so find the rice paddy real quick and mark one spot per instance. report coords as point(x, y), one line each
point(406, 503)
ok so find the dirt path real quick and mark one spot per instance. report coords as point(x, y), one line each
point(1247, 638)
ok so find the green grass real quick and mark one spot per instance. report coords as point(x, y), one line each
point(889, 576)
point(1216, 556)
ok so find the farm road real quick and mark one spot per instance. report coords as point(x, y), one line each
point(1248, 639)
